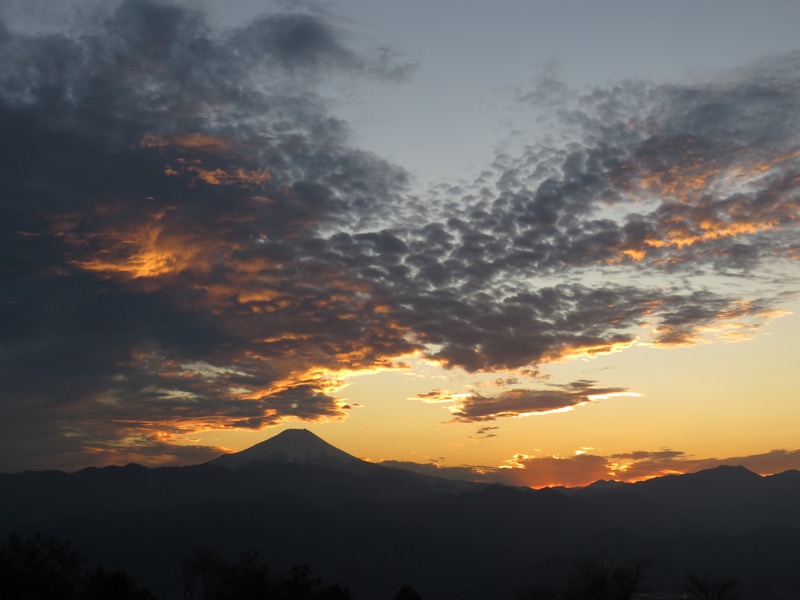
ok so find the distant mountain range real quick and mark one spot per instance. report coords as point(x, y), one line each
point(297, 499)
point(723, 485)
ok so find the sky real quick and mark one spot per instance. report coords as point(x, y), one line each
point(531, 242)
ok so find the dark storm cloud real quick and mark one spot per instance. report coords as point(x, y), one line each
point(191, 241)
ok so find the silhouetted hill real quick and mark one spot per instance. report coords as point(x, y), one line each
point(29, 497)
point(784, 486)
point(601, 486)
point(722, 485)
point(377, 528)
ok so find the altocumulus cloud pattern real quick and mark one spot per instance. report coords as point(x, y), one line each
point(191, 240)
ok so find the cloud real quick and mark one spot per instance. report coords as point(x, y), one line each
point(644, 465)
point(585, 468)
point(702, 172)
point(466, 473)
point(164, 213)
point(485, 430)
point(548, 471)
point(526, 402)
point(521, 470)
point(484, 433)
point(434, 397)
point(190, 239)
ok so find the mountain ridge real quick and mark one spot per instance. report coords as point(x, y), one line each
point(294, 446)
point(378, 528)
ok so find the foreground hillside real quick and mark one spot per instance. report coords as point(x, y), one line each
point(376, 529)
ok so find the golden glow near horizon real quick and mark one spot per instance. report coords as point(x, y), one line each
point(446, 416)
point(608, 426)
point(680, 416)
point(200, 257)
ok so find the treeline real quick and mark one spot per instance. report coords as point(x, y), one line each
point(40, 568)
point(593, 579)
point(46, 568)
point(206, 576)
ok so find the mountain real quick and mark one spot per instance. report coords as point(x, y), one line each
point(601, 486)
point(785, 485)
point(720, 486)
point(302, 449)
point(295, 499)
point(295, 446)
point(294, 463)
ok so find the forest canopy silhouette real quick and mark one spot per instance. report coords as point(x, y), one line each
point(41, 567)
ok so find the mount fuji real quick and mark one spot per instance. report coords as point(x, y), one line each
point(295, 446)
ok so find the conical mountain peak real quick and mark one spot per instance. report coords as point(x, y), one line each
point(295, 446)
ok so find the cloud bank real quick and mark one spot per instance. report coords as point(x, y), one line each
point(584, 468)
point(191, 239)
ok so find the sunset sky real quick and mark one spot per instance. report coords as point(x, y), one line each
point(534, 242)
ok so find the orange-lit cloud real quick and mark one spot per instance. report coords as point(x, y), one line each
point(208, 248)
point(437, 397)
point(584, 467)
point(189, 141)
point(527, 402)
point(549, 471)
point(145, 252)
point(739, 321)
point(219, 176)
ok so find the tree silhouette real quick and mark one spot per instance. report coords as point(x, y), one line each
point(407, 593)
point(249, 580)
point(203, 573)
point(541, 591)
point(48, 568)
point(116, 585)
point(704, 588)
point(608, 580)
point(300, 583)
point(39, 567)
point(208, 577)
